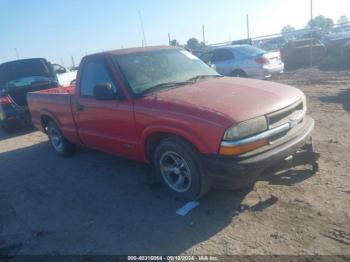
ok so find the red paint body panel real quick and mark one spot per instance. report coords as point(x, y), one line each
point(200, 112)
point(56, 104)
point(227, 101)
point(108, 126)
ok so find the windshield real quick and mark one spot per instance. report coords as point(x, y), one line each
point(24, 73)
point(249, 50)
point(154, 68)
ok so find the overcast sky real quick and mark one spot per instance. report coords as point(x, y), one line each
point(59, 29)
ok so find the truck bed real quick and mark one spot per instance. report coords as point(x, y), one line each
point(54, 103)
point(57, 90)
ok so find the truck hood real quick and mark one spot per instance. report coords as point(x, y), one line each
point(226, 100)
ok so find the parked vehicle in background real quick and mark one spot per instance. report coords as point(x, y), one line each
point(272, 44)
point(242, 42)
point(315, 34)
point(163, 105)
point(346, 50)
point(335, 42)
point(244, 61)
point(17, 78)
point(65, 76)
point(297, 53)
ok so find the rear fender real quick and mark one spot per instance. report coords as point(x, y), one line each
point(69, 132)
point(46, 113)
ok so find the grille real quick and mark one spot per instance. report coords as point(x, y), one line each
point(283, 116)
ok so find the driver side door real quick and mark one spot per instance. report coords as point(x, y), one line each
point(107, 125)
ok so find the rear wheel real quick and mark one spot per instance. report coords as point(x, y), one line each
point(60, 145)
point(179, 169)
point(239, 73)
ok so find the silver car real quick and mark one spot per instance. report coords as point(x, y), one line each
point(244, 61)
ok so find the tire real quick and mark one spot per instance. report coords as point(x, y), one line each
point(179, 169)
point(60, 145)
point(239, 73)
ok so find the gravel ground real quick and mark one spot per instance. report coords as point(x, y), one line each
point(94, 203)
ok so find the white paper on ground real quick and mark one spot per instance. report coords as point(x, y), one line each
point(183, 211)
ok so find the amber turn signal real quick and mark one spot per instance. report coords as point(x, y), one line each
point(237, 150)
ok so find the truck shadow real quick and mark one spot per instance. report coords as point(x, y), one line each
point(342, 98)
point(288, 177)
point(95, 203)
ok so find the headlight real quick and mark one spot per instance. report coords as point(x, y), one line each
point(247, 128)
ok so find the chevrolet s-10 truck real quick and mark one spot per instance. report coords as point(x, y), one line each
point(164, 106)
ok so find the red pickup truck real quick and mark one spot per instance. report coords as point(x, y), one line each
point(163, 105)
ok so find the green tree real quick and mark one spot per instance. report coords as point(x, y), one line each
point(320, 22)
point(174, 42)
point(287, 29)
point(343, 19)
point(193, 44)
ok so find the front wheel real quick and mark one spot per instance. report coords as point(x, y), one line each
point(178, 166)
point(60, 145)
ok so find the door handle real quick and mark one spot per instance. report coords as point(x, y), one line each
point(80, 107)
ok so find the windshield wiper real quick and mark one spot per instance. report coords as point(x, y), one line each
point(198, 77)
point(166, 85)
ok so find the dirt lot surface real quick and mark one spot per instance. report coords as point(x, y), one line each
point(94, 203)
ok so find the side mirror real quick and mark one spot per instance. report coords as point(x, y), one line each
point(104, 92)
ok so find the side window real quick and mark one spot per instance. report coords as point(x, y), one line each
point(95, 72)
point(59, 69)
point(222, 55)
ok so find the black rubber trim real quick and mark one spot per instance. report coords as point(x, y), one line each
point(235, 172)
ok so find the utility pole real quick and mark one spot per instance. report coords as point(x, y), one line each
point(311, 36)
point(203, 33)
point(144, 42)
point(169, 38)
point(248, 34)
point(73, 62)
point(16, 51)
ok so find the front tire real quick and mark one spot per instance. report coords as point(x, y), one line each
point(178, 167)
point(60, 145)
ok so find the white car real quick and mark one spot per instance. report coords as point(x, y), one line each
point(244, 61)
point(64, 75)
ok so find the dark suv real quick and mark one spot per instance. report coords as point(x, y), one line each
point(297, 53)
point(17, 78)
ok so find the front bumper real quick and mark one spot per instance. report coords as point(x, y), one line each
point(244, 170)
